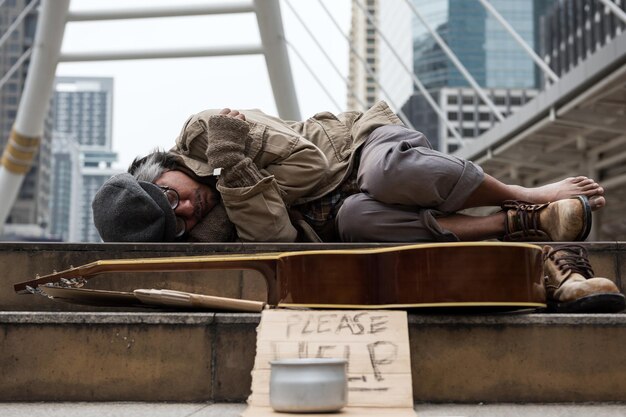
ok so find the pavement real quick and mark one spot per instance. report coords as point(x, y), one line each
point(135, 409)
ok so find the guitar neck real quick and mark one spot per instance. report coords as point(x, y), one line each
point(265, 264)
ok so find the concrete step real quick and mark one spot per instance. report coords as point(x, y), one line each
point(127, 409)
point(22, 261)
point(53, 351)
point(199, 357)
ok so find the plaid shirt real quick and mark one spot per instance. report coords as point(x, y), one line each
point(320, 214)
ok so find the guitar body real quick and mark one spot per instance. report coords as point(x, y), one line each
point(429, 275)
point(481, 274)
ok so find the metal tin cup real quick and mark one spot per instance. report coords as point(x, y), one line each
point(312, 385)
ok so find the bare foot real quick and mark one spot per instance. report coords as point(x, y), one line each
point(567, 188)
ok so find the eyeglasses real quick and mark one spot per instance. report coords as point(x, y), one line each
point(173, 198)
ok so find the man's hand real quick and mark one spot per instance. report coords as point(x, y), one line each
point(232, 113)
point(226, 148)
point(227, 138)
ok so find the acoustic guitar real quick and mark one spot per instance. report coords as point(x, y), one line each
point(484, 274)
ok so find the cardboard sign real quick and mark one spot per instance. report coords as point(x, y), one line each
point(375, 344)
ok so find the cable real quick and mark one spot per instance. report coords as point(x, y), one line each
point(17, 21)
point(293, 48)
point(459, 66)
point(15, 66)
point(403, 116)
point(416, 80)
point(328, 58)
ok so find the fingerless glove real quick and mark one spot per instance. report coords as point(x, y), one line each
point(226, 150)
point(226, 141)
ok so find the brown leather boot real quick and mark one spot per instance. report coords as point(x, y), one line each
point(571, 286)
point(567, 220)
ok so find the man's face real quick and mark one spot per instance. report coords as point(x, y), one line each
point(196, 199)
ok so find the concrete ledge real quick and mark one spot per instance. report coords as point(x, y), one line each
point(196, 357)
point(130, 409)
point(417, 320)
point(126, 356)
point(533, 358)
point(29, 317)
point(26, 260)
point(54, 351)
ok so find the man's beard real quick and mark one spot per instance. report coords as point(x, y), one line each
point(198, 207)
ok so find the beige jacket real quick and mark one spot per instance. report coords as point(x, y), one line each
point(300, 162)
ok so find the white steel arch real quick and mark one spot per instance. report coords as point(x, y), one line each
point(26, 135)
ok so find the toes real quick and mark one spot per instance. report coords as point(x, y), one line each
point(590, 186)
point(597, 202)
point(577, 180)
point(595, 189)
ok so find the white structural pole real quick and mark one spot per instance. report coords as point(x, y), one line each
point(179, 10)
point(544, 67)
point(459, 66)
point(276, 58)
point(161, 53)
point(26, 135)
point(615, 9)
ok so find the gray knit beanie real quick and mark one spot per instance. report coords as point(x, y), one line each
point(127, 210)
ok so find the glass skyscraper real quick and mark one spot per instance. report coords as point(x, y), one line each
point(484, 47)
point(488, 52)
point(83, 156)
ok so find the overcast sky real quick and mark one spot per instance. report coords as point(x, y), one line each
point(152, 98)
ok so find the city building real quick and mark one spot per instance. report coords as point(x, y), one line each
point(497, 63)
point(66, 185)
point(82, 114)
point(374, 70)
point(489, 53)
point(572, 30)
point(31, 208)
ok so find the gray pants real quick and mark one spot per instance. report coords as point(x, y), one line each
point(405, 185)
